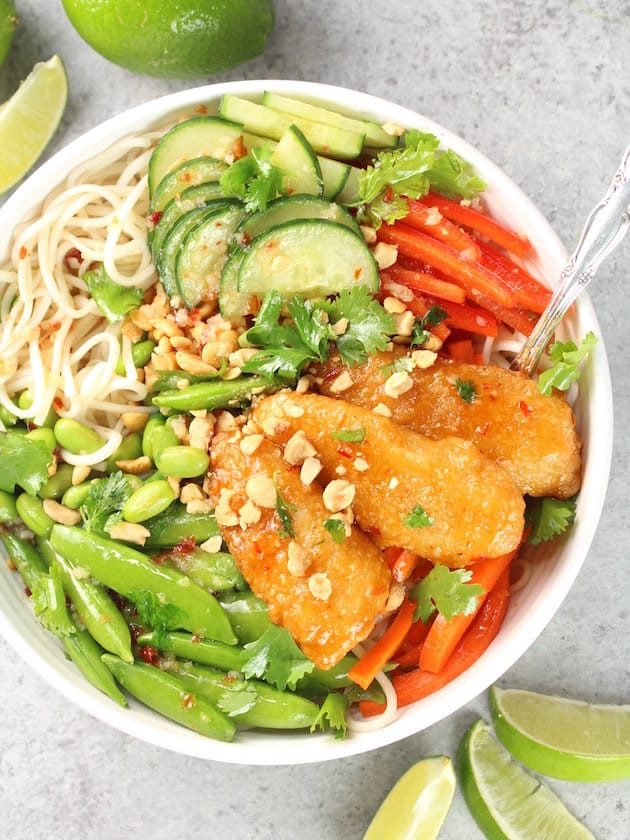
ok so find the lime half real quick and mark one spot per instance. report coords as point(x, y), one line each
point(417, 805)
point(564, 738)
point(507, 802)
point(30, 118)
point(8, 22)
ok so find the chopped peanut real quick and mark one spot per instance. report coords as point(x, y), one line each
point(79, 475)
point(385, 254)
point(398, 383)
point(394, 306)
point(320, 586)
point(191, 492)
point(423, 359)
point(249, 514)
point(250, 443)
point(311, 468)
point(261, 490)
point(360, 464)
point(135, 421)
point(130, 532)
point(342, 383)
point(298, 448)
point(382, 409)
point(299, 560)
point(212, 545)
point(338, 494)
point(136, 466)
point(60, 513)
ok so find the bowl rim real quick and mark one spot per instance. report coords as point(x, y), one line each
point(286, 748)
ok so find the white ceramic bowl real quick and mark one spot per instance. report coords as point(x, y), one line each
point(531, 609)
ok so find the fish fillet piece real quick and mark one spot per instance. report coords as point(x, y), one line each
point(326, 595)
point(532, 436)
point(475, 507)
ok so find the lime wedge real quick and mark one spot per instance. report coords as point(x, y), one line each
point(417, 805)
point(564, 738)
point(507, 802)
point(30, 118)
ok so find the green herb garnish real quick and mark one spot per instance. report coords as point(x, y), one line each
point(337, 529)
point(114, 301)
point(417, 518)
point(445, 591)
point(350, 435)
point(567, 359)
point(547, 518)
point(466, 389)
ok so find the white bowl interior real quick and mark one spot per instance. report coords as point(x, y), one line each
point(531, 608)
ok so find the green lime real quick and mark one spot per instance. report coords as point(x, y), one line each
point(174, 39)
point(564, 738)
point(417, 805)
point(507, 802)
point(8, 22)
point(30, 118)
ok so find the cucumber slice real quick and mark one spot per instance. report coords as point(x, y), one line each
point(174, 238)
point(295, 156)
point(191, 173)
point(258, 119)
point(312, 257)
point(193, 138)
point(374, 135)
point(350, 192)
point(295, 207)
point(188, 200)
point(233, 304)
point(334, 172)
point(203, 253)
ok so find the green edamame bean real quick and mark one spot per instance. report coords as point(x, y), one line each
point(128, 572)
point(25, 401)
point(162, 438)
point(6, 418)
point(272, 708)
point(176, 525)
point(147, 501)
point(31, 511)
point(155, 421)
point(134, 481)
point(167, 695)
point(129, 449)
point(76, 495)
point(58, 483)
point(77, 437)
point(140, 353)
point(8, 510)
point(203, 651)
point(182, 461)
point(45, 435)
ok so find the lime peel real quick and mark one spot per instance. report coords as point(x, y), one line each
point(30, 118)
point(564, 738)
point(508, 802)
point(417, 805)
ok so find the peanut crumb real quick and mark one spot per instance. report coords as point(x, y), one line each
point(338, 494)
point(311, 468)
point(261, 490)
point(342, 383)
point(320, 586)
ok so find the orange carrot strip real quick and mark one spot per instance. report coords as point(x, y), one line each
point(456, 212)
point(444, 636)
point(462, 350)
point(471, 275)
point(530, 293)
point(420, 281)
point(422, 218)
point(364, 671)
point(413, 685)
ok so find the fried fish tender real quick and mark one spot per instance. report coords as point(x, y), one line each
point(475, 508)
point(532, 436)
point(326, 595)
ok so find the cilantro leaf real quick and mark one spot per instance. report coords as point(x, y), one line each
point(369, 325)
point(314, 332)
point(387, 207)
point(421, 327)
point(114, 300)
point(446, 591)
point(284, 509)
point(547, 518)
point(237, 697)
point(156, 615)
point(567, 358)
point(451, 176)
point(403, 363)
point(254, 179)
point(276, 658)
point(350, 435)
point(417, 518)
point(24, 462)
point(336, 528)
point(104, 502)
point(332, 715)
point(466, 389)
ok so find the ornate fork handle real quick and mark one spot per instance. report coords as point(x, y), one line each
point(604, 229)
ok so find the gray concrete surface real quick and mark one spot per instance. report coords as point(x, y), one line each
point(543, 89)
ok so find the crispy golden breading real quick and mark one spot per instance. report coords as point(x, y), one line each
point(477, 510)
point(326, 595)
point(532, 436)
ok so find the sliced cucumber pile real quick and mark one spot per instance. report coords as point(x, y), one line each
point(207, 245)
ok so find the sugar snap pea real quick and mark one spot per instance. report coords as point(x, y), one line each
point(148, 500)
point(95, 609)
point(8, 510)
point(77, 437)
point(182, 461)
point(219, 393)
point(128, 572)
point(129, 449)
point(167, 695)
point(26, 559)
point(176, 525)
point(216, 572)
point(264, 706)
point(248, 614)
point(140, 353)
point(58, 483)
point(31, 511)
point(203, 651)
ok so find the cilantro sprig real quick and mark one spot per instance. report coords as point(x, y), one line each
point(102, 508)
point(350, 435)
point(254, 179)
point(154, 614)
point(417, 518)
point(466, 389)
point(114, 300)
point(548, 518)
point(24, 462)
point(447, 592)
point(337, 529)
point(276, 658)
point(566, 358)
point(284, 510)
point(422, 326)
point(332, 715)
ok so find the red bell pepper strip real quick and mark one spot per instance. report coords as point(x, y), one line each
point(423, 218)
point(420, 281)
point(456, 212)
point(518, 319)
point(469, 318)
point(462, 350)
point(530, 293)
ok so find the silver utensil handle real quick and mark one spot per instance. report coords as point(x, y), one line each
point(604, 229)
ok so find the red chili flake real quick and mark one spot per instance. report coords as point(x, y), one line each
point(186, 176)
point(357, 273)
point(345, 452)
point(150, 655)
point(188, 701)
point(238, 149)
point(161, 557)
point(482, 431)
point(57, 403)
point(31, 425)
point(135, 630)
point(23, 252)
point(154, 218)
point(201, 109)
point(28, 592)
point(269, 246)
point(525, 408)
point(68, 602)
point(373, 531)
point(73, 255)
point(388, 195)
point(257, 548)
point(185, 546)
point(195, 639)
